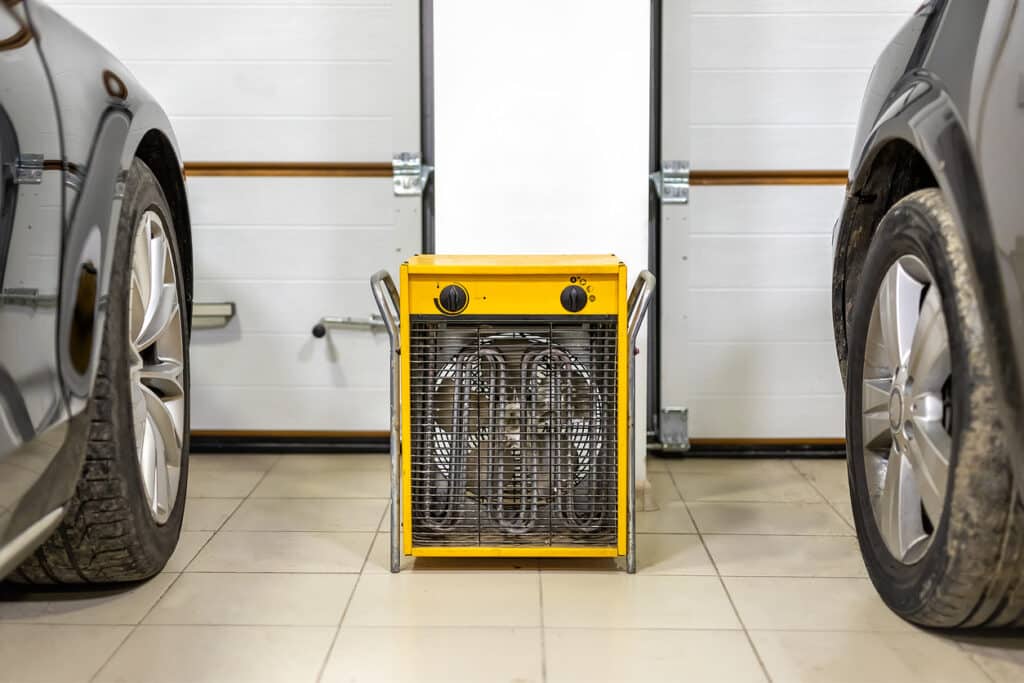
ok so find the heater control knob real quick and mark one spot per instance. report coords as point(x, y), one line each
point(453, 299)
point(574, 298)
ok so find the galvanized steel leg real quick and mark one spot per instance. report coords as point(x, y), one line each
point(639, 300)
point(386, 295)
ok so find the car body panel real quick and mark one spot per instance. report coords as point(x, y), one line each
point(928, 92)
point(105, 120)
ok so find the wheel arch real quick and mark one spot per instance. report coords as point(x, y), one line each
point(894, 169)
point(160, 154)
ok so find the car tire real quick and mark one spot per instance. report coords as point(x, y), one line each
point(943, 545)
point(122, 524)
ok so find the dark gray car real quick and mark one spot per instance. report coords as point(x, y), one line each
point(96, 273)
point(928, 301)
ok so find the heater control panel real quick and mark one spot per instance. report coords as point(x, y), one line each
point(538, 285)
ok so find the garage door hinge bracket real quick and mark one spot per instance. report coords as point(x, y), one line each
point(409, 175)
point(674, 430)
point(28, 169)
point(672, 182)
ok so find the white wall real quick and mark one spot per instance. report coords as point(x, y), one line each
point(541, 131)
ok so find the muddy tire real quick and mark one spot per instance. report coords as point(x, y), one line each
point(957, 559)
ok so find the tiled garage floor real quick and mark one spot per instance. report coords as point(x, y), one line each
point(749, 572)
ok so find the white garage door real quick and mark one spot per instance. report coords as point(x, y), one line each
point(335, 83)
point(759, 86)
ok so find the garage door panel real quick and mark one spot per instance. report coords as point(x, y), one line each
point(288, 307)
point(346, 359)
point(289, 408)
point(748, 261)
point(215, 32)
point(283, 139)
point(291, 253)
point(317, 89)
point(781, 147)
point(764, 209)
point(362, 202)
point(753, 417)
point(776, 97)
point(758, 315)
point(790, 41)
point(901, 7)
point(765, 369)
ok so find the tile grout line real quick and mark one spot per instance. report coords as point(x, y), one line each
point(721, 581)
point(351, 596)
point(827, 500)
point(152, 607)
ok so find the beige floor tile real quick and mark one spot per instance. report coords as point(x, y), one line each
point(657, 463)
point(56, 654)
point(607, 600)
point(230, 462)
point(709, 465)
point(651, 656)
point(671, 517)
point(126, 605)
point(255, 599)
point(681, 554)
point(796, 519)
point(216, 483)
point(283, 551)
point(808, 604)
point(663, 488)
point(189, 545)
point(321, 463)
point(765, 484)
point(220, 654)
point(308, 514)
point(846, 512)
point(837, 657)
point(337, 483)
point(739, 555)
point(208, 514)
point(828, 476)
point(1000, 656)
point(379, 561)
point(443, 599)
point(435, 655)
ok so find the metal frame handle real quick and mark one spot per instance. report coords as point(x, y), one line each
point(637, 304)
point(386, 295)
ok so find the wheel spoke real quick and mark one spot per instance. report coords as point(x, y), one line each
point(160, 488)
point(929, 452)
point(898, 507)
point(147, 455)
point(165, 376)
point(167, 418)
point(929, 362)
point(876, 413)
point(899, 297)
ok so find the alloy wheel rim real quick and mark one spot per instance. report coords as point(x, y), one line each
point(156, 350)
point(906, 409)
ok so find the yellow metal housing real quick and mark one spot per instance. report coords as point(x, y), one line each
point(515, 286)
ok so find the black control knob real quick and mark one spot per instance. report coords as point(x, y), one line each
point(574, 298)
point(453, 299)
point(319, 330)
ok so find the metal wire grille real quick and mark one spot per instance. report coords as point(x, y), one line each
point(514, 439)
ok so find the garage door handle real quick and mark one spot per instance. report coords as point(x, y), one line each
point(373, 323)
